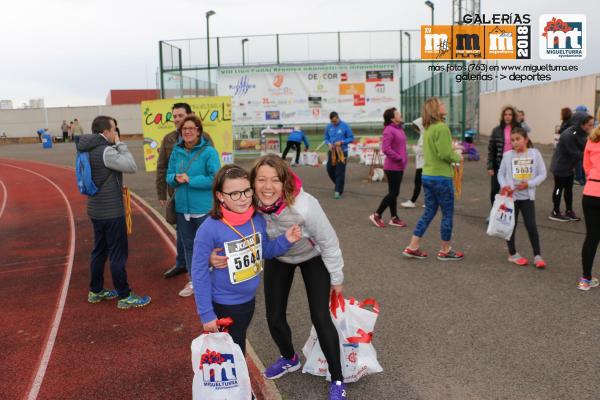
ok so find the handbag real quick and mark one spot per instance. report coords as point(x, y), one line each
point(170, 213)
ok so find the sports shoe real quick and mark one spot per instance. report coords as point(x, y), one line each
point(376, 220)
point(337, 195)
point(104, 294)
point(174, 271)
point(571, 216)
point(416, 253)
point(408, 204)
point(585, 284)
point(133, 301)
point(282, 366)
point(539, 262)
point(397, 222)
point(450, 255)
point(337, 390)
point(518, 259)
point(187, 290)
point(558, 217)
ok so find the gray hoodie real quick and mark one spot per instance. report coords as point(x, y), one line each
point(108, 164)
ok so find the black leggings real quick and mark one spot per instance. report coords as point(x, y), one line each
point(278, 282)
point(494, 187)
point(591, 213)
point(563, 184)
point(394, 179)
point(527, 208)
point(241, 315)
point(289, 146)
point(418, 183)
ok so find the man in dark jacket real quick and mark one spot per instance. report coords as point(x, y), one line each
point(567, 155)
point(109, 158)
point(179, 111)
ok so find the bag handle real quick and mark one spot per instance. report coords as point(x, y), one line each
point(370, 302)
point(223, 324)
point(336, 301)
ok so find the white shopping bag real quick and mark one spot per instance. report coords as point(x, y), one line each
point(220, 370)
point(355, 325)
point(502, 217)
point(309, 158)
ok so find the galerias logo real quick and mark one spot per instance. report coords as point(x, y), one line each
point(242, 86)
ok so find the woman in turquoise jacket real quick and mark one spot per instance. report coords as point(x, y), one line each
point(192, 168)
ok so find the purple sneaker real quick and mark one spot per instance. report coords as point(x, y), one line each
point(282, 366)
point(337, 390)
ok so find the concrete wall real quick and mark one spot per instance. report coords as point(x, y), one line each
point(541, 103)
point(25, 123)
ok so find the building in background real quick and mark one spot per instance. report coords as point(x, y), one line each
point(36, 103)
point(6, 105)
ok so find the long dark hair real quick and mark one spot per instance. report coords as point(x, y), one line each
point(513, 123)
point(565, 114)
point(228, 171)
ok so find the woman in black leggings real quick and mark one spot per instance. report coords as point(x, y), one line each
point(566, 157)
point(591, 209)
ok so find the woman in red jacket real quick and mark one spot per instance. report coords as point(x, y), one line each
point(591, 209)
point(394, 148)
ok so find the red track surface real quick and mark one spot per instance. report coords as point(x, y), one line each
point(99, 351)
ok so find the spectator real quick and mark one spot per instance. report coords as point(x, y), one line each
point(338, 136)
point(521, 120)
point(65, 131)
point(77, 130)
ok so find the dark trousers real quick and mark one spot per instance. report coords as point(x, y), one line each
point(394, 179)
point(494, 186)
point(337, 173)
point(580, 173)
point(563, 185)
point(65, 137)
point(527, 208)
point(188, 229)
point(417, 189)
point(591, 214)
point(110, 242)
point(290, 145)
point(241, 315)
point(278, 282)
point(180, 257)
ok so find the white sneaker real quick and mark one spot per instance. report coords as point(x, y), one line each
point(408, 204)
point(187, 290)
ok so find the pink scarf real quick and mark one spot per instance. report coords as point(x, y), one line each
point(237, 219)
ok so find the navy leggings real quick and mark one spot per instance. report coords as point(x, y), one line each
point(439, 192)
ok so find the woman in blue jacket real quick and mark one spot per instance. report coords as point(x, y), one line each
point(192, 168)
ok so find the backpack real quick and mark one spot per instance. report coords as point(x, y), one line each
point(83, 172)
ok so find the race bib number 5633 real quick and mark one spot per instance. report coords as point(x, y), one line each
point(243, 263)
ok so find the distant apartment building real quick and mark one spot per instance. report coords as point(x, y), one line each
point(36, 103)
point(6, 105)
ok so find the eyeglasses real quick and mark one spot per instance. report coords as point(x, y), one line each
point(235, 196)
point(189, 128)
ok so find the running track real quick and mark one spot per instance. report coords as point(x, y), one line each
point(54, 344)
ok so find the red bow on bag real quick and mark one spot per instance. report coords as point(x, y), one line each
point(336, 301)
point(363, 337)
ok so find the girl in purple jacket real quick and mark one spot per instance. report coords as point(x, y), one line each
point(394, 148)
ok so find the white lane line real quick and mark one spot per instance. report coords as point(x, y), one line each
point(36, 384)
point(4, 198)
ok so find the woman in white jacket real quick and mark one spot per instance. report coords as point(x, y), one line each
point(522, 170)
point(419, 162)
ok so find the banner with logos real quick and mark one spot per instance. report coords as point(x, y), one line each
point(308, 93)
point(157, 121)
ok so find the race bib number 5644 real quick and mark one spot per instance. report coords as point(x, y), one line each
point(244, 258)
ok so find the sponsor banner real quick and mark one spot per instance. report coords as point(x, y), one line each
point(157, 121)
point(562, 36)
point(308, 93)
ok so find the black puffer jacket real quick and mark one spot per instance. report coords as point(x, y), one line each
point(569, 150)
point(496, 147)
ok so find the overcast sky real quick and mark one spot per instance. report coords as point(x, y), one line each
point(72, 52)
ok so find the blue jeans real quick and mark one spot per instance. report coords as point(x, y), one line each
point(188, 229)
point(110, 242)
point(337, 173)
point(439, 192)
